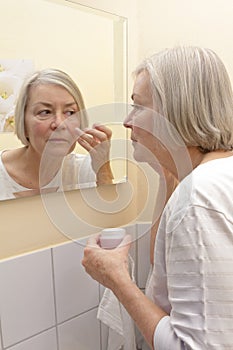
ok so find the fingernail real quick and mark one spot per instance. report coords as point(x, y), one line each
point(97, 124)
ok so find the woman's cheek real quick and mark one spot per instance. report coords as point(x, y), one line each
point(40, 129)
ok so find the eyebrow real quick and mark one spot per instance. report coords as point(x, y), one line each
point(47, 104)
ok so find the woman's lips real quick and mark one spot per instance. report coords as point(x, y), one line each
point(57, 140)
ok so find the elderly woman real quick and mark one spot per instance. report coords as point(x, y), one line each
point(188, 302)
point(49, 118)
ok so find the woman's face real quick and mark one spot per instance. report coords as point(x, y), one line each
point(140, 120)
point(148, 128)
point(49, 121)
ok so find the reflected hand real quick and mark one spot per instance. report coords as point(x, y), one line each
point(97, 141)
point(108, 267)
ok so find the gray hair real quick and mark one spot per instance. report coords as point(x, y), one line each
point(191, 88)
point(46, 76)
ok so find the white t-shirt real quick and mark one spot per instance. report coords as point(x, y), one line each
point(76, 172)
point(192, 279)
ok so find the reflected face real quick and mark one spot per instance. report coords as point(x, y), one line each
point(50, 118)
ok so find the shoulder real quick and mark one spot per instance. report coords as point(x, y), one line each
point(212, 184)
point(209, 181)
point(11, 155)
point(209, 187)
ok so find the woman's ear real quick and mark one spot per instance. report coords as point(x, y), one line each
point(26, 135)
point(26, 132)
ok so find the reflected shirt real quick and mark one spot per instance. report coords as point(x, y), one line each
point(192, 278)
point(76, 173)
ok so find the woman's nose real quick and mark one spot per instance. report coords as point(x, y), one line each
point(128, 122)
point(58, 121)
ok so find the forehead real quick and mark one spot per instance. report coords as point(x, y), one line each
point(48, 92)
point(142, 87)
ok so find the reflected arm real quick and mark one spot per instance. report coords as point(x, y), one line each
point(104, 175)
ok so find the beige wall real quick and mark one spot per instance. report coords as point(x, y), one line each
point(66, 47)
point(185, 22)
point(156, 24)
point(30, 223)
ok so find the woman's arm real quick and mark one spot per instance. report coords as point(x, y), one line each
point(110, 268)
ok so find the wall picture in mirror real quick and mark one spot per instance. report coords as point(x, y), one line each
point(12, 74)
point(86, 44)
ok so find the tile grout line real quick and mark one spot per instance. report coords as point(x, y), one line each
point(1, 335)
point(28, 338)
point(136, 229)
point(76, 316)
point(54, 296)
point(100, 323)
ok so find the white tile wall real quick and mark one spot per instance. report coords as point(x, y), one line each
point(44, 341)
point(76, 291)
point(26, 296)
point(80, 333)
point(0, 335)
point(46, 297)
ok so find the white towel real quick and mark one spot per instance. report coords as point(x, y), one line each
point(121, 331)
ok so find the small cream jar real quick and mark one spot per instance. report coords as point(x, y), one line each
point(110, 238)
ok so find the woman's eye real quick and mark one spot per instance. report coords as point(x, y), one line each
point(44, 113)
point(69, 113)
point(137, 108)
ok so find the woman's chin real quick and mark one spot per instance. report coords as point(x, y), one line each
point(138, 156)
point(58, 149)
point(139, 152)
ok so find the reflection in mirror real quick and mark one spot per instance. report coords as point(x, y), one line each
point(90, 47)
point(78, 170)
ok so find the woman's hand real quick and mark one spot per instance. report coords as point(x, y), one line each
point(108, 267)
point(97, 141)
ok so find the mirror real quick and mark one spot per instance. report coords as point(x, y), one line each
point(88, 44)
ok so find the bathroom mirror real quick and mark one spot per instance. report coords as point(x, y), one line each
point(86, 43)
